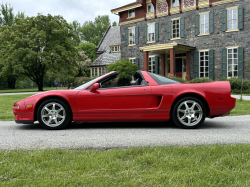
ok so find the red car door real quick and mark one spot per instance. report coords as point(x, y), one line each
point(113, 102)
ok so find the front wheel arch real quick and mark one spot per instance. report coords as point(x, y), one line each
point(51, 97)
point(197, 96)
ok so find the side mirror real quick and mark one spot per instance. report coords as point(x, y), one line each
point(94, 87)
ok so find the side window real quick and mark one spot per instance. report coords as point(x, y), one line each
point(204, 65)
point(204, 23)
point(151, 32)
point(176, 28)
point(232, 19)
point(131, 13)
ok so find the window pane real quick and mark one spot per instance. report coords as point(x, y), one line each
point(229, 61)
point(235, 67)
point(235, 74)
point(229, 74)
point(229, 50)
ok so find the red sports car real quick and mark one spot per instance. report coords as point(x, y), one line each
point(150, 97)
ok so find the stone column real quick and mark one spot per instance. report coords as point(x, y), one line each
point(188, 78)
point(146, 68)
point(163, 64)
point(172, 57)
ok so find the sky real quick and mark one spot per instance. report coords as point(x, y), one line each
point(80, 10)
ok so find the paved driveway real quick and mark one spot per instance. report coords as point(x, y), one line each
point(222, 130)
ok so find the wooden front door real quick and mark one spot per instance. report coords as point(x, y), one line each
point(178, 66)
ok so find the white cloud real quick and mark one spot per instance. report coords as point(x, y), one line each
point(80, 10)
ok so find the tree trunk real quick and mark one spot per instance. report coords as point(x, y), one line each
point(11, 82)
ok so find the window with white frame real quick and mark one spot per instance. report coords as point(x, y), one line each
point(132, 60)
point(150, 8)
point(176, 28)
point(232, 15)
point(115, 49)
point(151, 32)
point(131, 13)
point(175, 3)
point(94, 72)
point(232, 62)
point(131, 35)
point(204, 23)
point(204, 64)
point(151, 62)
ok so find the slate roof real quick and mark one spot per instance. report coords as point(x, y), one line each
point(111, 37)
point(106, 58)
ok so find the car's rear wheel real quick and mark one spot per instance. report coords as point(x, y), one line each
point(189, 113)
point(53, 114)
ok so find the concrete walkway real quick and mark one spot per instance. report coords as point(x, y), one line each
point(244, 97)
point(19, 93)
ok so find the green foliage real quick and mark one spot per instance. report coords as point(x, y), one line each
point(236, 84)
point(200, 80)
point(20, 15)
point(89, 50)
point(39, 45)
point(124, 67)
point(81, 80)
point(114, 24)
point(75, 28)
point(93, 32)
point(6, 15)
point(178, 79)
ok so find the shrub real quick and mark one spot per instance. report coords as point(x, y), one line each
point(178, 79)
point(236, 84)
point(81, 80)
point(200, 80)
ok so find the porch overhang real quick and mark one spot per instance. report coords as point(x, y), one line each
point(165, 48)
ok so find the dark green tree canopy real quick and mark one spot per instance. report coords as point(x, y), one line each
point(89, 50)
point(36, 45)
point(93, 32)
point(124, 67)
point(6, 15)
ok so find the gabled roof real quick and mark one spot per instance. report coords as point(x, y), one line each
point(110, 38)
point(136, 4)
point(106, 59)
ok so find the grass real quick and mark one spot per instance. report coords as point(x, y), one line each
point(30, 89)
point(215, 165)
point(7, 101)
point(242, 108)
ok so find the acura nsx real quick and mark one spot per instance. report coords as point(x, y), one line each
point(149, 98)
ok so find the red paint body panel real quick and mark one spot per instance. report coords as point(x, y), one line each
point(133, 103)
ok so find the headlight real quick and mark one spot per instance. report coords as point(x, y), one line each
point(16, 106)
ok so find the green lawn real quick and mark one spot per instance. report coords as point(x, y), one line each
point(31, 89)
point(216, 165)
point(7, 101)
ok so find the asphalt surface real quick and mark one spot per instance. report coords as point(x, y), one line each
point(222, 130)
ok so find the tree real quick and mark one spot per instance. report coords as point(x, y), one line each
point(6, 15)
point(76, 26)
point(36, 45)
point(125, 70)
point(20, 15)
point(89, 50)
point(83, 65)
point(93, 32)
point(114, 24)
point(6, 72)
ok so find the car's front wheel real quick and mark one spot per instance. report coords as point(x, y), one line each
point(189, 113)
point(53, 114)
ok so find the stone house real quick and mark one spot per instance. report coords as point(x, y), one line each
point(107, 51)
point(187, 38)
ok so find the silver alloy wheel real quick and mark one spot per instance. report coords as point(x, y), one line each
point(53, 114)
point(189, 113)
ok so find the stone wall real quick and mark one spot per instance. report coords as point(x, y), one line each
point(215, 41)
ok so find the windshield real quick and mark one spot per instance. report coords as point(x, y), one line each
point(162, 80)
point(89, 83)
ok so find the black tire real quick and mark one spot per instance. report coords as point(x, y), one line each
point(53, 118)
point(185, 117)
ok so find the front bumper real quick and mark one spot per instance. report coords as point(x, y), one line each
point(24, 121)
point(21, 114)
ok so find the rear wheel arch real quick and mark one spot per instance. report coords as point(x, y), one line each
point(197, 96)
point(51, 97)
